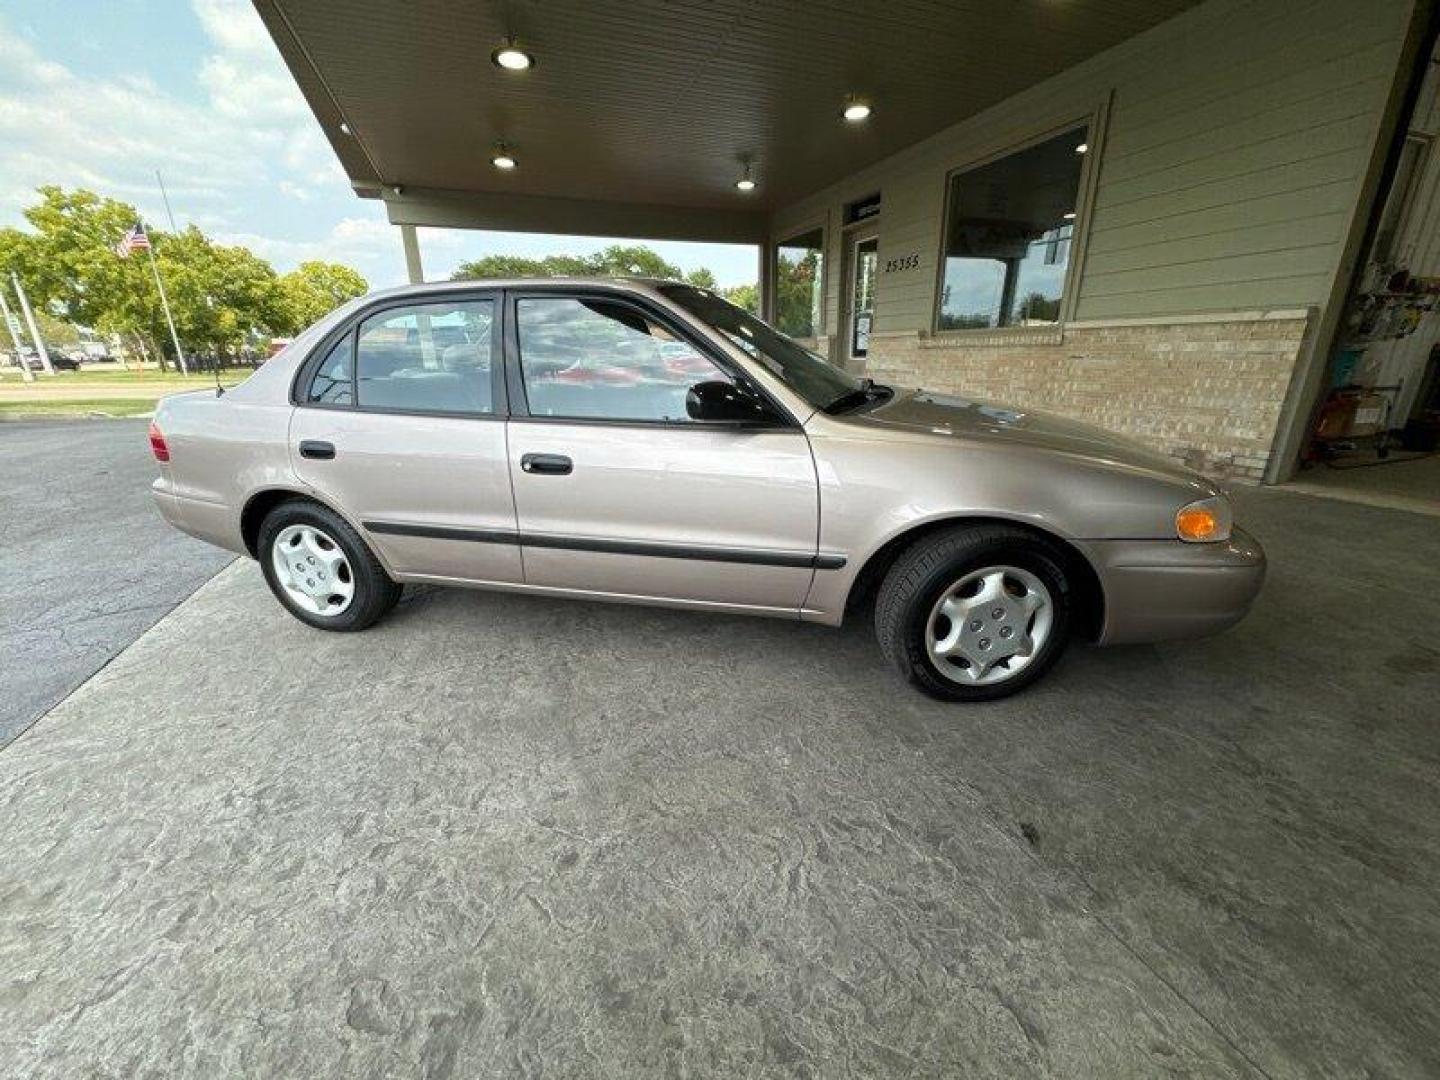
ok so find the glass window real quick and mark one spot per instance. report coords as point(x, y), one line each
point(604, 359)
point(799, 266)
point(1397, 202)
point(1009, 228)
point(332, 384)
point(427, 358)
point(817, 381)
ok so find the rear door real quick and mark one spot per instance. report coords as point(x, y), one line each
point(400, 423)
point(618, 491)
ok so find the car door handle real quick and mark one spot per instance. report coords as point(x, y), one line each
point(317, 448)
point(546, 464)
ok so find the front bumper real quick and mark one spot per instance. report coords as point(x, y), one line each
point(1161, 590)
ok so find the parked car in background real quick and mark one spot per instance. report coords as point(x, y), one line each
point(545, 436)
point(58, 361)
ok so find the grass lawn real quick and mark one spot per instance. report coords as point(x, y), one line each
point(78, 407)
point(100, 393)
point(144, 381)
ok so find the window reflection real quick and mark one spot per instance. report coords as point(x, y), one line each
point(1009, 230)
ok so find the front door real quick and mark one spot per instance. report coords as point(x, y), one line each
point(618, 492)
point(402, 424)
point(863, 263)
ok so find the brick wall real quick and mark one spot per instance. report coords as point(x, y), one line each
point(1206, 391)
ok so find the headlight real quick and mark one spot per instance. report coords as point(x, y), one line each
point(1205, 521)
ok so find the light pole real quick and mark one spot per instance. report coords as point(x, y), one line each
point(10, 321)
point(30, 322)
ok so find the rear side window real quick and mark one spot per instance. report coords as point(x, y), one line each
point(600, 359)
point(332, 384)
point(426, 358)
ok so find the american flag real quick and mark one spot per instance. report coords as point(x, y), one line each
point(135, 240)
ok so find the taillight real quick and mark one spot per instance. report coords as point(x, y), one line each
point(157, 443)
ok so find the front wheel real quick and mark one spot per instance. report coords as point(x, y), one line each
point(320, 569)
point(974, 613)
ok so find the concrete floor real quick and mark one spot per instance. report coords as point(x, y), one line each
point(508, 836)
point(1402, 483)
point(88, 564)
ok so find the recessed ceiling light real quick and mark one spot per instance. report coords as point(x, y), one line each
point(745, 184)
point(344, 128)
point(1070, 215)
point(1084, 146)
point(505, 160)
point(856, 110)
point(512, 58)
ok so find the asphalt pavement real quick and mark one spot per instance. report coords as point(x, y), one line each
point(88, 564)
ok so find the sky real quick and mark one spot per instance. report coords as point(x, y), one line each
point(102, 93)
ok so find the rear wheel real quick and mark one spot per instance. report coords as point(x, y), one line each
point(320, 569)
point(974, 613)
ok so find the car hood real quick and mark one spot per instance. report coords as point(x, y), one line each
point(923, 411)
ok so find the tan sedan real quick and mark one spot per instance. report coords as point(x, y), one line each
point(649, 442)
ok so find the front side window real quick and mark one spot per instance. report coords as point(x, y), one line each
point(799, 263)
point(432, 357)
point(814, 379)
point(593, 358)
point(1009, 228)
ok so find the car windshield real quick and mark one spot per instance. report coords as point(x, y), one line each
point(820, 383)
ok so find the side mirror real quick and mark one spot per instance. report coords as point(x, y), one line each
point(724, 402)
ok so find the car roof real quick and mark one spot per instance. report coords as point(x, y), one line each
point(440, 288)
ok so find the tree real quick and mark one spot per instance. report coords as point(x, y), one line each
point(797, 296)
point(515, 266)
point(617, 260)
point(221, 297)
point(744, 296)
point(313, 290)
point(58, 333)
point(68, 263)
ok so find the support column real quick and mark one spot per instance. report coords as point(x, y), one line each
point(766, 284)
point(412, 254)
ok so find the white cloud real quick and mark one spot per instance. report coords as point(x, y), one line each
point(370, 244)
point(233, 26)
point(247, 131)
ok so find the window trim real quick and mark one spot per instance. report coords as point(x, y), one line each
point(305, 373)
point(319, 357)
point(820, 225)
point(519, 401)
point(1094, 122)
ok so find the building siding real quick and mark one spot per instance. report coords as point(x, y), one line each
point(1236, 143)
point(1232, 145)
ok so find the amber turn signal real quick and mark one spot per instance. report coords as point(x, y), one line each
point(1204, 522)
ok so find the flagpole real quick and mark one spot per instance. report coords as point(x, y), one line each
point(15, 337)
point(165, 303)
point(166, 199)
point(30, 322)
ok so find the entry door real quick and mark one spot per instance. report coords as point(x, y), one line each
point(863, 263)
point(617, 492)
point(402, 426)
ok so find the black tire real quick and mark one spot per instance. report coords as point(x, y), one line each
point(375, 592)
point(917, 579)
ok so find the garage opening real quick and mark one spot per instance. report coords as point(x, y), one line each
point(1376, 432)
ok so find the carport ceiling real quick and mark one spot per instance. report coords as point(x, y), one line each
point(659, 101)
